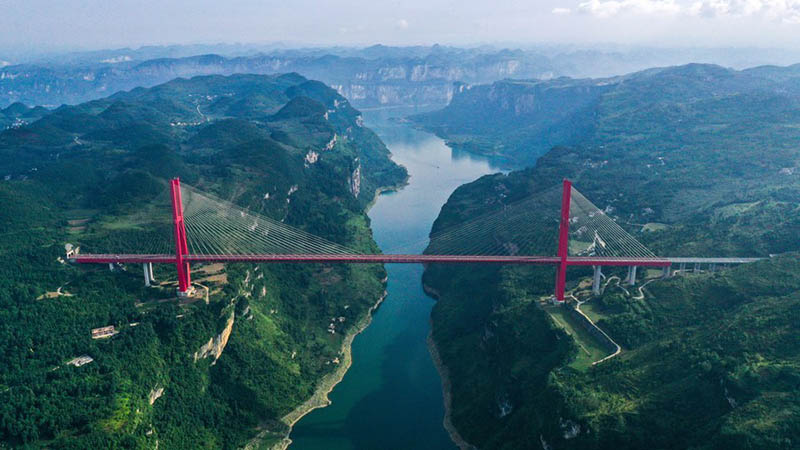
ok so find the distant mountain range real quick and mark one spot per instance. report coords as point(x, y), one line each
point(368, 77)
point(520, 120)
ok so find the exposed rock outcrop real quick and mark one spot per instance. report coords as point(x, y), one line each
point(216, 344)
point(332, 143)
point(355, 180)
point(155, 394)
point(311, 157)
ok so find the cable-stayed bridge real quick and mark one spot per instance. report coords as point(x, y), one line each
point(204, 228)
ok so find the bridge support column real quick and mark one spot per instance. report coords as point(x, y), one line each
point(598, 274)
point(631, 278)
point(683, 268)
point(146, 275)
point(696, 268)
point(667, 272)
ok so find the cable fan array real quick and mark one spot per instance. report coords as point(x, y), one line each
point(593, 233)
point(218, 227)
point(530, 227)
point(145, 230)
point(526, 227)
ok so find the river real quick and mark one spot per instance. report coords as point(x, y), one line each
point(391, 398)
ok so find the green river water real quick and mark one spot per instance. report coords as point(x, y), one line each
point(391, 398)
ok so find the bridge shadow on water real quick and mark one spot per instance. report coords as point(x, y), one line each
point(379, 412)
point(370, 414)
point(403, 408)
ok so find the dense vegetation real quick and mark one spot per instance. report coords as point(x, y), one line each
point(95, 175)
point(693, 160)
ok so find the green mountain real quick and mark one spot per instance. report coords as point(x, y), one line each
point(693, 161)
point(188, 374)
point(520, 120)
point(17, 115)
point(704, 150)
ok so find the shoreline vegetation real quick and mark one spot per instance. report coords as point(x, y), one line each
point(444, 375)
point(326, 385)
point(385, 189)
point(319, 399)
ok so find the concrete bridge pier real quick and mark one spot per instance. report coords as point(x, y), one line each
point(712, 267)
point(598, 274)
point(631, 278)
point(148, 274)
point(667, 272)
point(696, 268)
point(683, 268)
point(111, 266)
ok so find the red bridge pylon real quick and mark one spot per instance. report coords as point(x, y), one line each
point(181, 246)
point(563, 241)
point(223, 232)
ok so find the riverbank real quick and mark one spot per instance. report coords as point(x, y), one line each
point(455, 436)
point(392, 395)
point(320, 397)
point(385, 189)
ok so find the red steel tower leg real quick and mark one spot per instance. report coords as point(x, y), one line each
point(563, 241)
point(181, 247)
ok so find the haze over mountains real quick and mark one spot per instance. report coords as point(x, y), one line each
point(368, 77)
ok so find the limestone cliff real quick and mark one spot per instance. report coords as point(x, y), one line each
point(216, 344)
point(355, 180)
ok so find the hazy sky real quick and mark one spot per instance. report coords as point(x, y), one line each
point(116, 23)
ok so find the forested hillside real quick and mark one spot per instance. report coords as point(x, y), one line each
point(520, 120)
point(189, 374)
point(696, 161)
point(17, 115)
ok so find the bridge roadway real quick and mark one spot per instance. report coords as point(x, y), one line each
point(371, 259)
point(694, 260)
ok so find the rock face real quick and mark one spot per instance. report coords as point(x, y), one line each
point(311, 157)
point(355, 180)
point(376, 77)
point(331, 144)
point(216, 344)
point(155, 394)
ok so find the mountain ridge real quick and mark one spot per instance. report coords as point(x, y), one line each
point(95, 175)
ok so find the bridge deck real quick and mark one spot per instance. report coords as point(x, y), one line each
point(371, 259)
point(697, 260)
